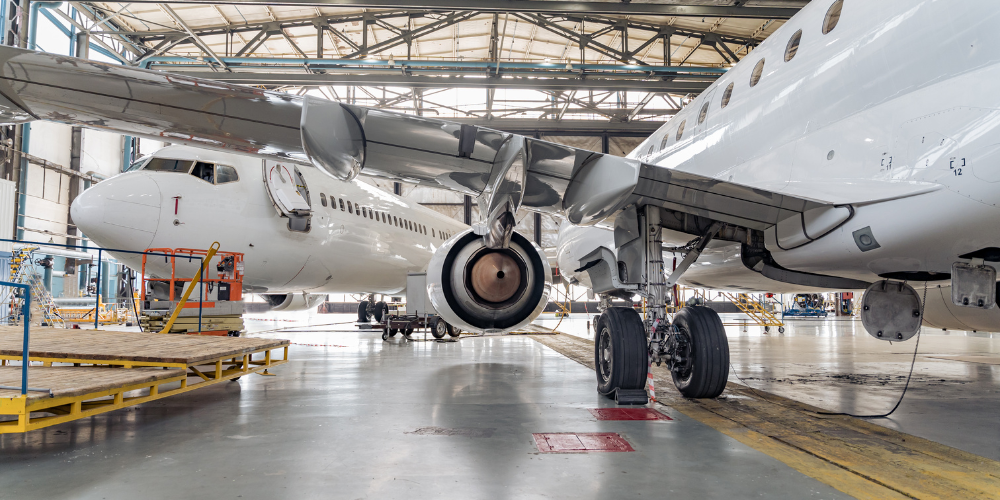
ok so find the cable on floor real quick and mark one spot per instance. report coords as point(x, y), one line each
point(909, 377)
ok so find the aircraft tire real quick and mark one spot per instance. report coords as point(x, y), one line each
point(620, 351)
point(381, 311)
point(454, 331)
point(440, 328)
point(363, 316)
point(707, 359)
point(393, 332)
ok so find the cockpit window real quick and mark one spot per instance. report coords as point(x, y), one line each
point(225, 174)
point(168, 165)
point(136, 165)
point(204, 171)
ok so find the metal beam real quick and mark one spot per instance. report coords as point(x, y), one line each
point(180, 22)
point(539, 6)
point(529, 127)
point(408, 81)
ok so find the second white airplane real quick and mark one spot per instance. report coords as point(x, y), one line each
point(303, 234)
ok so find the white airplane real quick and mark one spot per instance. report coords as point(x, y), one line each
point(853, 149)
point(303, 234)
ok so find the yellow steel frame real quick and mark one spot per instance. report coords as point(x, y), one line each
point(752, 308)
point(71, 408)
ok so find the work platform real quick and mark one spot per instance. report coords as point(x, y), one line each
point(108, 365)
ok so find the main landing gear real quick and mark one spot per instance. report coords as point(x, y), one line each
point(693, 343)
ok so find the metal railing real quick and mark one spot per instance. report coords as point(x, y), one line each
point(27, 314)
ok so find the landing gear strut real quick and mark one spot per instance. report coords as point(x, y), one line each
point(693, 344)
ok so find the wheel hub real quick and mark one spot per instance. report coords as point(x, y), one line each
point(606, 361)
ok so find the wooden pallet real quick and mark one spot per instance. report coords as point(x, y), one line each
point(129, 349)
point(119, 362)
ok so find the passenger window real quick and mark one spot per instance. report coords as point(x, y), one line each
point(432, 231)
point(727, 95)
point(832, 16)
point(680, 130)
point(225, 174)
point(168, 165)
point(341, 200)
point(349, 208)
point(703, 114)
point(793, 45)
point(204, 171)
point(322, 199)
point(757, 71)
point(395, 222)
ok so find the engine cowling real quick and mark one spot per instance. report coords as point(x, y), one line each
point(481, 289)
point(289, 302)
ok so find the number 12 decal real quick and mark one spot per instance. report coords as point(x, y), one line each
point(956, 169)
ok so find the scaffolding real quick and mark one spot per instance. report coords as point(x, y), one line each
point(22, 271)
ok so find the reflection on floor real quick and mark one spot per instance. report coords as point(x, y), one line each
point(395, 419)
point(354, 417)
point(834, 364)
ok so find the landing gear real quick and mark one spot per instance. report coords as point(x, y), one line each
point(698, 353)
point(454, 331)
point(381, 311)
point(363, 315)
point(620, 351)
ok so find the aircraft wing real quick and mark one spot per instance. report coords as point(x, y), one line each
point(345, 140)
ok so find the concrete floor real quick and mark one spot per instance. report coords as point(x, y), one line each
point(834, 364)
point(359, 418)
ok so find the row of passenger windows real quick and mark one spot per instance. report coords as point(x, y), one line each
point(829, 23)
point(378, 216)
point(208, 172)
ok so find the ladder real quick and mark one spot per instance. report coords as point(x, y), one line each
point(755, 309)
point(22, 271)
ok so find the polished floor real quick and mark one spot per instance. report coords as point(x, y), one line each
point(361, 418)
point(953, 397)
point(354, 417)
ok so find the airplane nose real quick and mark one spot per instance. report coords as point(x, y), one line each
point(122, 212)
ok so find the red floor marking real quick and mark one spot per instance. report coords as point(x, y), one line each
point(628, 414)
point(580, 442)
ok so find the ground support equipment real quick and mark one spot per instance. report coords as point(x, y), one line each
point(86, 372)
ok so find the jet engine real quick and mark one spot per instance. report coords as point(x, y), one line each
point(482, 289)
point(292, 301)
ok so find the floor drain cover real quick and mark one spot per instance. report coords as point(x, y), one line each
point(580, 442)
point(628, 414)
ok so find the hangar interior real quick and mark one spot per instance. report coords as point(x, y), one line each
point(356, 414)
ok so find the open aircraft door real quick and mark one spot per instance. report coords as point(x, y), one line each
point(289, 194)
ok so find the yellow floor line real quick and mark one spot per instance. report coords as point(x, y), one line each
point(857, 457)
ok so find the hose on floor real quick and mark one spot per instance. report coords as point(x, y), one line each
point(899, 401)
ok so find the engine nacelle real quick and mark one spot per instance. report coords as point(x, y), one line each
point(292, 301)
point(481, 289)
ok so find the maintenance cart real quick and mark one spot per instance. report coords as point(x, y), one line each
point(419, 313)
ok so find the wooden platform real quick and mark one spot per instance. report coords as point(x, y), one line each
point(127, 348)
point(98, 369)
point(69, 381)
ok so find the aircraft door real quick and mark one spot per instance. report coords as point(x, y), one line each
point(289, 194)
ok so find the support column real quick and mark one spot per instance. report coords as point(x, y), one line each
point(538, 229)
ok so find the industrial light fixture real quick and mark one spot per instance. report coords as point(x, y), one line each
point(392, 61)
point(569, 66)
